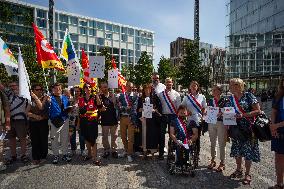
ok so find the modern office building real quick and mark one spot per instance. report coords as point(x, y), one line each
point(177, 51)
point(255, 41)
point(125, 42)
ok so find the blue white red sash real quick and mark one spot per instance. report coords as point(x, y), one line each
point(182, 128)
point(195, 103)
point(236, 105)
point(126, 98)
point(169, 102)
point(215, 102)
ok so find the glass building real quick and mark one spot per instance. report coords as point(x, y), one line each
point(124, 42)
point(255, 41)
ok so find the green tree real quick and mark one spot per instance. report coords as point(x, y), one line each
point(191, 68)
point(106, 52)
point(143, 69)
point(166, 69)
point(128, 72)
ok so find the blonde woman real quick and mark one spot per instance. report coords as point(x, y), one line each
point(246, 107)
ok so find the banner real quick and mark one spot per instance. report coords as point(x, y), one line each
point(24, 88)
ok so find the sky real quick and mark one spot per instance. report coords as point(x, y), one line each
point(169, 19)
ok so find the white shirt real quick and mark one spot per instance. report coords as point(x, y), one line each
point(175, 98)
point(159, 88)
point(195, 115)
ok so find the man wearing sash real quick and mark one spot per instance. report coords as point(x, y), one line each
point(158, 87)
point(170, 100)
point(195, 104)
point(127, 107)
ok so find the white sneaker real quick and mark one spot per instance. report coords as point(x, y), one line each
point(129, 159)
point(3, 167)
point(124, 154)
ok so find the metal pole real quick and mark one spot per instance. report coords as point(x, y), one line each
point(51, 13)
point(196, 22)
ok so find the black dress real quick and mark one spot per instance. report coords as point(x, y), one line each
point(108, 117)
point(152, 126)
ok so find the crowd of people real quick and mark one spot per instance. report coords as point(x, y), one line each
point(65, 113)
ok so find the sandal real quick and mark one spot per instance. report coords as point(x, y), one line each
point(211, 165)
point(277, 186)
point(24, 159)
point(237, 174)
point(247, 179)
point(11, 160)
point(220, 168)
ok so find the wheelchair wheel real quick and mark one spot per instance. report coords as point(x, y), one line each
point(195, 156)
point(171, 155)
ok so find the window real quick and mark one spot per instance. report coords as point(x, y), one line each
point(92, 48)
point(108, 27)
point(123, 59)
point(62, 27)
point(123, 37)
point(137, 54)
point(130, 60)
point(92, 32)
point(137, 40)
point(83, 31)
point(101, 41)
point(61, 35)
point(130, 31)
point(83, 23)
point(101, 25)
point(108, 35)
point(124, 30)
point(83, 46)
point(123, 52)
point(41, 13)
point(144, 41)
point(63, 18)
point(150, 42)
point(116, 28)
point(115, 51)
point(41, 23)
point(92, 24)
point(137, 33)
point(74, 20)
point(74, 37)
point(130, 52)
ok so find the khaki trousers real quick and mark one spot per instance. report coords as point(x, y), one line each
point(113, 133)
point(59, 138)
point(127, 134)
point(217, 130)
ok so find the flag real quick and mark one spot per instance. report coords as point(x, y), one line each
point(46, 56)
point(121, 80)
point(24, 88)
point(86, 72)
point(68, 52)
point(7, 58)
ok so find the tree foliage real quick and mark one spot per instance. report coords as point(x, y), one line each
point(191, 68)
point(143, 70)
point(166, 69)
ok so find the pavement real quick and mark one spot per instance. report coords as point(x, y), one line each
point(118, 173)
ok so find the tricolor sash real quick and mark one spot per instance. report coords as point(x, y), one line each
point(182, 128)
point(169, 102)
point(195, 103)
point(126, 98)
point(215, 102)
point(237, 105)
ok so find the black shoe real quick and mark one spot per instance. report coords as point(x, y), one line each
point(66, 158)
point(55, 160)
point(106, 154)
point(114, 155)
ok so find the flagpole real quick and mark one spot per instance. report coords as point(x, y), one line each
point(51, 29)
point(46, 86)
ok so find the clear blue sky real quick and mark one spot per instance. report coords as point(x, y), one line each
point(169, 19)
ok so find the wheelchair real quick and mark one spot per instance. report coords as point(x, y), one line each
point(184, 162)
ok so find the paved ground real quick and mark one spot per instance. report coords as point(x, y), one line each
point(117, 173)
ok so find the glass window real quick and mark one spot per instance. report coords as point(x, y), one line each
point(41, 13)
point(92, 48)
point(63, 18)
point(62, 26)
point(83, 23)
point(123, 37)
point(150, 35)
point(144, 41)
point(41, 23)
point(123, 59)
point(108, 35)
point(83, 30)
point(137, 54)
point(130, 60)
point(137, 33)
point(92, 32)
point(137, 40)
point(116, 28)
point(101, 41)
point(115, 51)
point(74, 37)
point(83, 46)
point(101, 25)
point(123, 30)
point(143, 34)
point(123, 52)
point(130, 52)
point(150, 42)
point(74, 20)
point(130, 31)
point(61, 35)
point(108, 27)
point(92, 24)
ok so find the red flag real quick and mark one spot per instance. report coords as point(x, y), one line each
point(86, 70)
point(121, 80)
point(46, 56)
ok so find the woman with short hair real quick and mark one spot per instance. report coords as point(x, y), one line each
point(246, 107)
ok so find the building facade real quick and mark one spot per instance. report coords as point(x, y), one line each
point(124, 42)
point(255, 41)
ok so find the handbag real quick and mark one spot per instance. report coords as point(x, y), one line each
point(58, 121)
point(261, 128)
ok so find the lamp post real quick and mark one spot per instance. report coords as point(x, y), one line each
point(51, 40)
point(196, 22)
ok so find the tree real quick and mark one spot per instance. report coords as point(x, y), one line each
point(143, 70)
point(128, 72)
point(105, 52)
point(191, 68)
point(166, 69)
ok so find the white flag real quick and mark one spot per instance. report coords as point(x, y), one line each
point(113, 79)
point(97, 66)
point(24, 89)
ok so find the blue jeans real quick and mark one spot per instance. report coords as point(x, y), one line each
point(73, 139)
